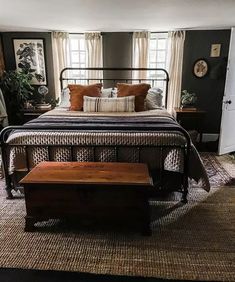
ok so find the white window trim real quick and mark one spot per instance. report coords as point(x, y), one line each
point(157, 36)
point(154, 64)
point(79, 51)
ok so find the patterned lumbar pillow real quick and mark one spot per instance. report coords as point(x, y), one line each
point(97, 104)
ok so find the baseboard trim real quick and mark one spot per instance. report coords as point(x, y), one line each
point(210, 137)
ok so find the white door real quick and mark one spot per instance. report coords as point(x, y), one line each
point(227, 128)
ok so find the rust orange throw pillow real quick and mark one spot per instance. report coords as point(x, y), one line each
point(138, 90)
point(77, 92)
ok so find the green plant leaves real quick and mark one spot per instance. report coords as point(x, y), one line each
point(17, 85)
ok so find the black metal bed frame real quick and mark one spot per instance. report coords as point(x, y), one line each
point(7, 131)
point(151, 81)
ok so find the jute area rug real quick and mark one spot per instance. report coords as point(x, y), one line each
point(195, 241)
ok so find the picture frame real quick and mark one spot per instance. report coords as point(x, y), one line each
point(215, 50)
point(30, 56)
point(200, 68)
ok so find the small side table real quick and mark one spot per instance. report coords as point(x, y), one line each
point(191, 119)
point(30, 114)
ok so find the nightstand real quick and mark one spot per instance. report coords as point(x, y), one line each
point(191, 119)
point(29, 114)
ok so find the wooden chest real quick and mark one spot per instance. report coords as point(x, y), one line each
point(92, 190)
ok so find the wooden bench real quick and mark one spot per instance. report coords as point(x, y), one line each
point(91, 190)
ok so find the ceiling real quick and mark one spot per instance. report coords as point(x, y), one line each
point(115, 15)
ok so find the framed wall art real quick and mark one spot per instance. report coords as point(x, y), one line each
point(215, 50)
point(200, 68)
point(29, 56)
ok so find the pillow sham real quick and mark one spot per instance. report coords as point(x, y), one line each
point(109, 92)
point(154, 98)
point(99, 104)
point(78, 91)
point(138, 90)
point(65, 102)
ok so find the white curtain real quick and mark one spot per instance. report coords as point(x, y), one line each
point(3, 111)
point(60, 49)
point(175, 55)
point(94, 57)
point(140, 52)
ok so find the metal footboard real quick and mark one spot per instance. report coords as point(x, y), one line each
point(5, 148)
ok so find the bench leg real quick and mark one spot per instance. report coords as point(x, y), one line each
point(146, 231)
point(29, 224)
point(146, 228)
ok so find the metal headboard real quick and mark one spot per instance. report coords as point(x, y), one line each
point(114, 75)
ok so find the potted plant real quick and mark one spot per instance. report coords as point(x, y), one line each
point(188, 100)
point(17, 90)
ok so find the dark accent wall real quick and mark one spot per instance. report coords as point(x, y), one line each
point(209, 89)
point(2, 64)
point(117, 53)
point(9, 56)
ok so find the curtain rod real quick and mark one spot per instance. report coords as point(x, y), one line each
point(185, 29)
point(130, 32)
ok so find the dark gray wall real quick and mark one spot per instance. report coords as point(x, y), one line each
point(117, 53)
point(9, 56)
point(208, 89)
point(2, 64)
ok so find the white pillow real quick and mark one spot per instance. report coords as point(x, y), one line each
point(99, 104)
point(109, 92)
point(65, 102)
point(154, 98)
point(65, 97)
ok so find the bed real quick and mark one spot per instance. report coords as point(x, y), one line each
point(151, 136)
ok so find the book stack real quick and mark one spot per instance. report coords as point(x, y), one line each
point(44, 106)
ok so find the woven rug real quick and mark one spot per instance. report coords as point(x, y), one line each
point(189, 242)
point(228, 163)
point(219, 171)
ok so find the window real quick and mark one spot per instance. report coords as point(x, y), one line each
point(158, 57)
point(77, 54)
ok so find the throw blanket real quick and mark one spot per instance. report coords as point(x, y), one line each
point(143, 129)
